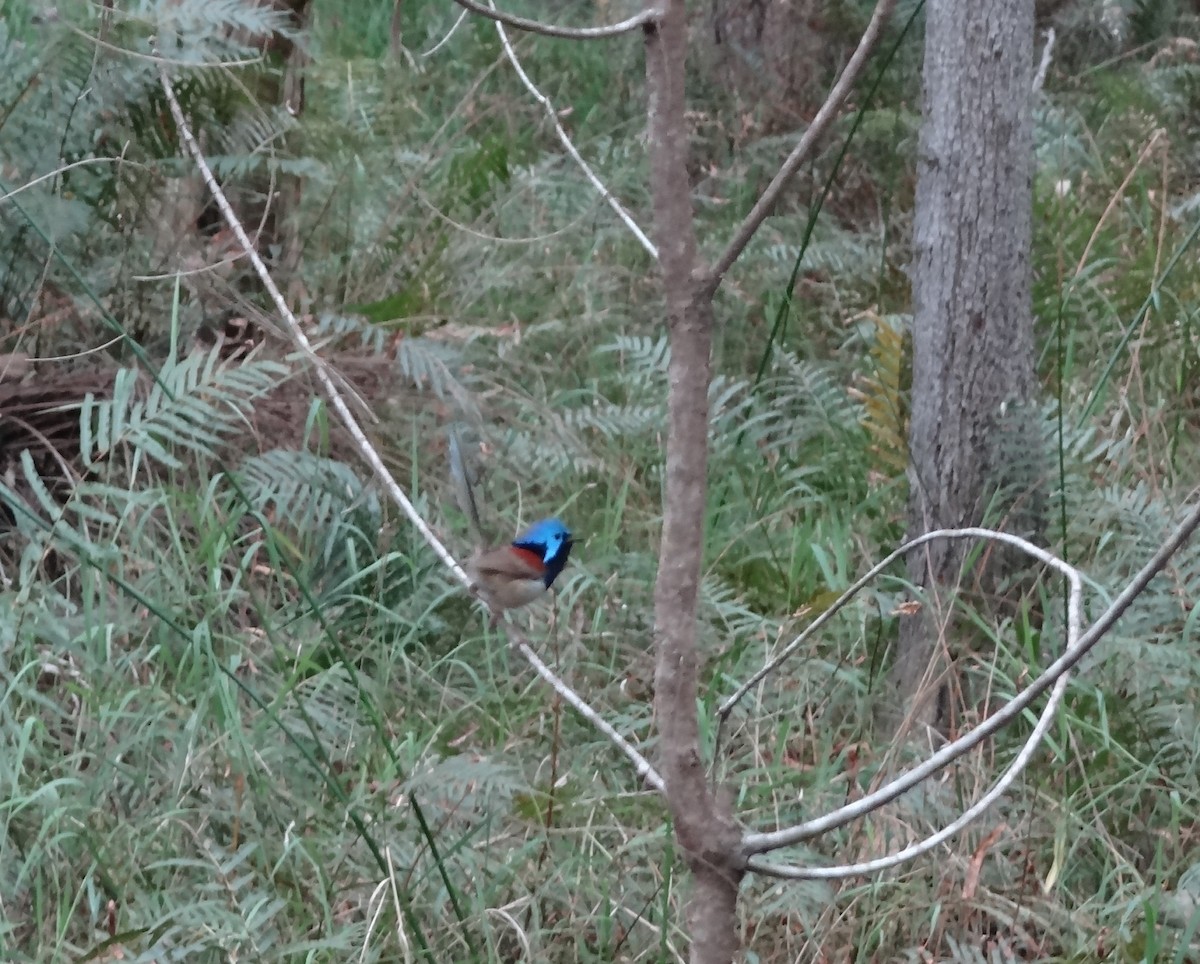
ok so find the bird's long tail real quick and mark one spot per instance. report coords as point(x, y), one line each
point(463, 489)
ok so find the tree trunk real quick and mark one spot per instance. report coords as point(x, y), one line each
point(704, 824)
point(973, 359)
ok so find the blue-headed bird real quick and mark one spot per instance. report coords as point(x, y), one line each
point(516, 574)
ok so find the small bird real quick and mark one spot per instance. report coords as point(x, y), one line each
point(514, 575)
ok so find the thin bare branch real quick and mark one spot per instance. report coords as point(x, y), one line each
point(552, 114)
point(446, 39)
point(647, 16)
point(1039, 79)
point(156, 57)
point(758, 843)
point(840, 603)
point(495, 238)
point(50, 175)
point(816, 130)
point(332, 392)
point(998, 789)
point(644, 770)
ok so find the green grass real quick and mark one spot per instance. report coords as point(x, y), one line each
point(244, 713)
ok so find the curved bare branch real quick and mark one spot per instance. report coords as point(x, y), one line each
point(644, 770)
point(552, 114)
point(758, 843)
point(858, 585)
point(998, 789)
point(649, 15)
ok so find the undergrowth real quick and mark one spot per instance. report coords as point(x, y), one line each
point(244, 712)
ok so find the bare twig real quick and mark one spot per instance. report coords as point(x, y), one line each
point(495, 238)
point(816, 130)
point(1039, 79)
point(332, 392)
point(387, 223)
point(998, 789)
point(758, 843)
point(50, 175)
point(446, 39)
point(552, 114)
point(840, 603)
point(1156, 135)
point(644, 770)
point(647, 16)
point(156, 57)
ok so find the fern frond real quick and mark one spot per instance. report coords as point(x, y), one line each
point(539, 452)
point(424, 363)
point(801, 382)
point(46, 525)
point(831, 252)
point(196, 400)
point(207, 31)
point(611, 421)
point(883, 393)
point(303, 491)
point(641, 356)
point(730, 403)
point(725, 606)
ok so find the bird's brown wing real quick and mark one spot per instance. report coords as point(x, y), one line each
point(508, 562)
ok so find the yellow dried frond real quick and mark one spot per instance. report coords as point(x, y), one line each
point(883, 392)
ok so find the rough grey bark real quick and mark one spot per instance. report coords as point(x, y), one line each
point(973, 353)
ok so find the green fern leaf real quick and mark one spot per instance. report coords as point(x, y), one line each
point(195, 403)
